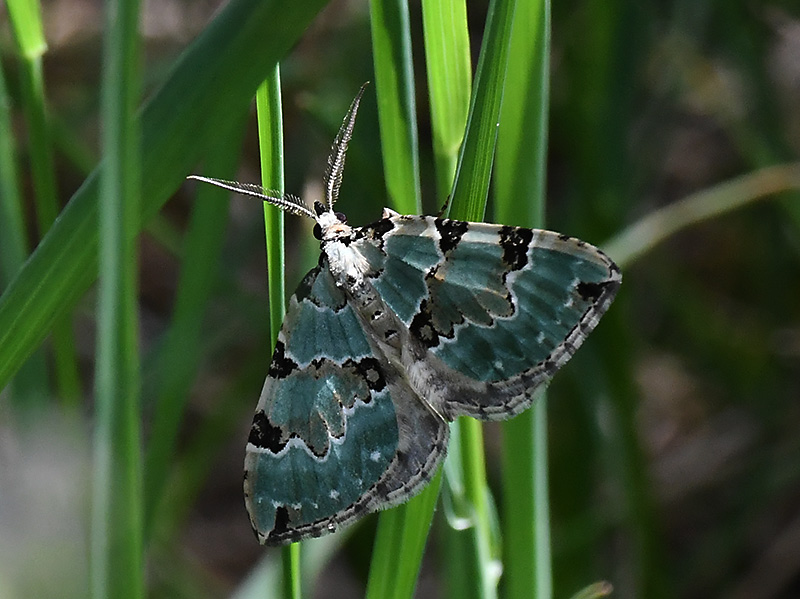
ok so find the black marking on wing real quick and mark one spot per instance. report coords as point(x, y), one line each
point(281, 366)
point(304, 288)
point(451, 232)
point(422, 326)
point(381, 227)
point(264, 435)
point(281, 521)
point(370, 370)
point(593, 291)
point(515, 242)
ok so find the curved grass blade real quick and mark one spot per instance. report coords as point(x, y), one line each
point(642, 236)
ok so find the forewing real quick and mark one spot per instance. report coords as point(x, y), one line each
point(491, 311)
point(337, 430)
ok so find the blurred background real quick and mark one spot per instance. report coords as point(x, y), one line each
point(675, 431)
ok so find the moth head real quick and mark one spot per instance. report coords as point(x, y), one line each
point(330, 225)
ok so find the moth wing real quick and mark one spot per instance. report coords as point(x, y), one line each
point(337, 431)
point(492, 312)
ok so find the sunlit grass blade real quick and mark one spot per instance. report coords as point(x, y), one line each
point(473, 173)
point(233, 55)
point(598, 590)
point(449, 76)
point(401, 531)
point(520, 167)
point(397, 112)
point(519, 185)
point(399, 545)
point(270, 137)
point(116, 554)
point(470, 192)
point(630, 244)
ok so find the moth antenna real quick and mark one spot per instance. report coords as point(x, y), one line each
point(287, 202)
point(333, 173)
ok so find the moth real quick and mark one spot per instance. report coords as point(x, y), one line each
point(404, 325)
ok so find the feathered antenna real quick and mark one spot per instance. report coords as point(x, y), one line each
point(333, 173)
point(287, 202)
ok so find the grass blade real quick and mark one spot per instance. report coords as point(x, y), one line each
point(471, 188)
point(270, 137)
point(630, 244)
point(449, 74)
point(397, 112)
point(470, 192)
point(519, 185)
point(29, 385)
point(116, 558)
point(25, 18)
point(402, 531)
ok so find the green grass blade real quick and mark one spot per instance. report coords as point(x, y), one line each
point(116, 554)
point(402, 531)
point(449, 75)
point(13, 242)
point(41, 150)
point(630, 244)
point(470, 192)
point(399, 544)
point(597, 590)
point(520, 168)
point(474, 170)
point(519, 185)
point(178, 125)
point(26, 22)
point(397, 112)
point(30, 384)
point(270, 137)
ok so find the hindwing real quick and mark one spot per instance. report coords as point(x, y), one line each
point(337, 431)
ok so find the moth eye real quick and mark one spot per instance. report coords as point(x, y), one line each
point(318, 232)
point(341, 216)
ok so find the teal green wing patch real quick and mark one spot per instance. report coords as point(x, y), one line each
point(493, 311)
point(329, 441)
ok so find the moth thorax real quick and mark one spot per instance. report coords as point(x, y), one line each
point(347, 265)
